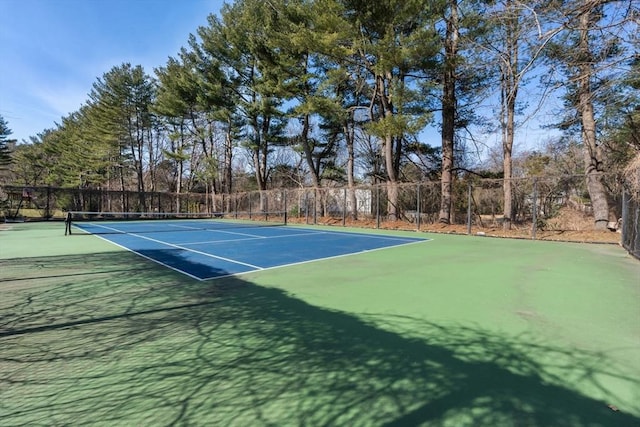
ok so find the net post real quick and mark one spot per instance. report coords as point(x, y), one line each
point(67, 224)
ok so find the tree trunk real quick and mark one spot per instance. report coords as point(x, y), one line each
point(228, 168)
point(180, 170)
point(449, 113)
point(349, 136)
point(509, 82)
point(509, 93)
point(259, 154)
point(592, 154)
point(392, 184)
point(388, 148)
point(124, 198)
point(150, 144)
point(259, 177)
point(308, 152)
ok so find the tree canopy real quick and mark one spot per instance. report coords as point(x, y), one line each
point(5, 157)
point(335, 91)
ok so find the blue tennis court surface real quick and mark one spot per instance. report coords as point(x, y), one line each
point(201, 252)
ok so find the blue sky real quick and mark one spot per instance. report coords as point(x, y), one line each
point(52, 51)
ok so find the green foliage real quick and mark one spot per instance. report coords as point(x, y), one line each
point(602, 51)
point(621, 130)
point(329, 83)
point(32, 163)
point(5, 157)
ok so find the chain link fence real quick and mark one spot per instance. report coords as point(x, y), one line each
point(19, 203)
point(541, 206)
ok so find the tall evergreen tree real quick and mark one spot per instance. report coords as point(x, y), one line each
point(218, 99)
point(621, 116)
point(329, 89)
point(32, 163)
point(396, 41)
point(5, 157)
point(588, 54)
point(239, 42)
point(449, 106)
point(80, 161)
point(121, 102)
point(177, 105)
point(462, 81)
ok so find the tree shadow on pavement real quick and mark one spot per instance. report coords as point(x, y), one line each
point(106, 339)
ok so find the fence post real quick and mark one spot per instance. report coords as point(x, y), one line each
point(264, 197)
point(344, 207)
point(306, 207)
point(534, 214)
point(286, 210)
point(469, 200)
point(47, 210)
point(315, 206)
point(418, 207)
point(378, 206)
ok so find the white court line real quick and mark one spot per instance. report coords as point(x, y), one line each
point(149, 258)
point(217, 231)
point(208, 242)
point(307, 233)
point(310, 232)
point(374, 236)
point(318, 259)
point(179, 247)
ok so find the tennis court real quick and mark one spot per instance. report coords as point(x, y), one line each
point(401, 329)
point(208, 248)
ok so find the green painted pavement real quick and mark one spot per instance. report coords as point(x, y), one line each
point(450, 332)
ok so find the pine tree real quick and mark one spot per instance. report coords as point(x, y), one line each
point(121, 105)
point(395, 42)
point(5, 156)
point(239, 43)
point(588, 55)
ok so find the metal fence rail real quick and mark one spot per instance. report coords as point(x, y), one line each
point(547, 203)
point(45, 202)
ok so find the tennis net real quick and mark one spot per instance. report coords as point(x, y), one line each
point(157, 222)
